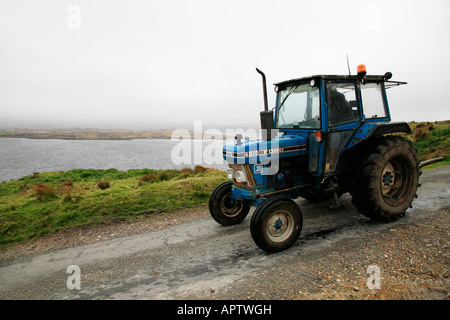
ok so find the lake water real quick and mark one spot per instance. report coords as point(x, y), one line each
point(20, 157)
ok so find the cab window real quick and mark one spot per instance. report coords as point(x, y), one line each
point(373, 100)
point(342, 103)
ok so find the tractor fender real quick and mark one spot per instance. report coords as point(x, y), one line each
point(373, 129)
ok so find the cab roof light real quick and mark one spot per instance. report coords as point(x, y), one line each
point(361, 70)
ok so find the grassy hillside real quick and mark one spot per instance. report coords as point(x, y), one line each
point(43, 203)
point(431, 139)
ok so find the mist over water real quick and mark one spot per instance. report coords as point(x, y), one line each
point(21, 157)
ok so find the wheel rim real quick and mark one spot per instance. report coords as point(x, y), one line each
point(387, 179)
point(280, 226)
point(230, 207)
point(395, 181)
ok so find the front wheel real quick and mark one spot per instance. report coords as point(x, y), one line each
point(276, 224)
point(224, 209)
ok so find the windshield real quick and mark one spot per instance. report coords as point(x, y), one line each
point(298, 107)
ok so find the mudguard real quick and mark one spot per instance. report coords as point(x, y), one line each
point(372, 129)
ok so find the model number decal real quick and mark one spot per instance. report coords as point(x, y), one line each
point(262, 152)
point(265, 152)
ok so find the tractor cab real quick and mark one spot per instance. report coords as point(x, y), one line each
point(328, 110)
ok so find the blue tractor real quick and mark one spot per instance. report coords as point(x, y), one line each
point(327, 135)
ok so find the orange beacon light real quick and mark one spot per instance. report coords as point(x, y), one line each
point(361, 70)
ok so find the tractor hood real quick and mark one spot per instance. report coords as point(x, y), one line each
point(260, 151)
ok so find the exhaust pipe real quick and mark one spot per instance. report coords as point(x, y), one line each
point(266, 106)
point(266, 115)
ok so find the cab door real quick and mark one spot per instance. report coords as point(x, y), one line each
point(343, 116)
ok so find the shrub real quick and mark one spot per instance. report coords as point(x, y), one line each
point(163, 176)
point(67, 191)
point(200, 169)
point(103, 184)
point(149, 177)
point(68, 183)
point(44, 192)
point(187, 171)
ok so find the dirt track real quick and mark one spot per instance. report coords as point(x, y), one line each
point(194, 258)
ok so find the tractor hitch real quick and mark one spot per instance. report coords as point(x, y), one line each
point(430, 161)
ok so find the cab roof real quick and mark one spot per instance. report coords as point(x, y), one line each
point(371, 78)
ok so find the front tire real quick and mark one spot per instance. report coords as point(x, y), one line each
point(276, 224)
point(387, 178)
point(224, 209)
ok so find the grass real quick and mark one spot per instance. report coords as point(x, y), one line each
point(43, 203)
point(432, 140)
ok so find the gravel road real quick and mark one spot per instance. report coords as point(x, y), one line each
point(189, 256)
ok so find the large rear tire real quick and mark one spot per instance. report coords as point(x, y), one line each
point(276, 224)
point(386, 180)
point(224, 209)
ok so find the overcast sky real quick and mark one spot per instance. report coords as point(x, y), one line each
point(168, 63)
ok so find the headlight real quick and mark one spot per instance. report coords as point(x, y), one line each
point(240, 176)
point(230, 173)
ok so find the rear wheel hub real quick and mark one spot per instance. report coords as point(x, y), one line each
point(387, 178)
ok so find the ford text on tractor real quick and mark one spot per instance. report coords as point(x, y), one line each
point(327, 135)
